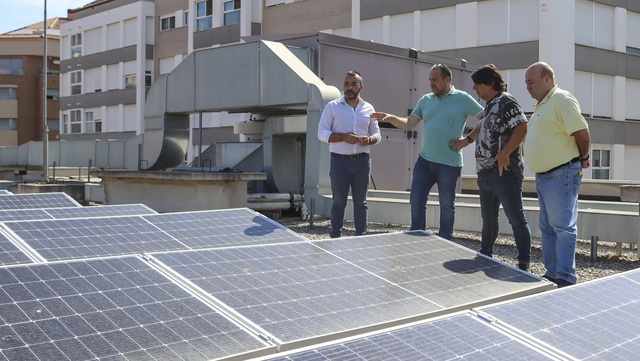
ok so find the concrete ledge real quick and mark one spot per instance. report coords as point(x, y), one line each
point(609, 221)
point(182, 176)
point(630, 193)
point(178, 191)
point(74, 190)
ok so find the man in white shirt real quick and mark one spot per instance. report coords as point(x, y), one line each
point(346, 125)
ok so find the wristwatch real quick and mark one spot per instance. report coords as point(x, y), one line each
point(469, 139)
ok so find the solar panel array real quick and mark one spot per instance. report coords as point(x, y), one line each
point(109, 309)
point(598, 320)
point(10, 253)
point(235, 284)
point(455, 337)
point(74, 212)
point(65, 239)
point(301, 292)
point(37, 201)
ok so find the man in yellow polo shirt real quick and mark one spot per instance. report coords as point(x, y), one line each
point(556, 148)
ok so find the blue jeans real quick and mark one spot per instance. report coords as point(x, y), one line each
point(558, 198)
point(345, 174)
point(425, 175)
point(506, 190)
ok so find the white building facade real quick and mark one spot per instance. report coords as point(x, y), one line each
point(113, 49)
point(593, 46)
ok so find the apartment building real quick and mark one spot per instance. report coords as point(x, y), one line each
point(113, 49)
point(111, 45)
point(21, 82)
point(593, 45)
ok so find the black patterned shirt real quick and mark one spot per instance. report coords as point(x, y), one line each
point(501, 115)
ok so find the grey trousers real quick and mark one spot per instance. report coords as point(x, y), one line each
point(345, 174)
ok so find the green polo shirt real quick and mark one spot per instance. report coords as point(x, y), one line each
point(444, 119)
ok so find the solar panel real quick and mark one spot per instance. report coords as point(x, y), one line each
point(100, 211)
point(23, 214)
point(75, 212)
point(460, 336)
point(37, 201)
point(598, 320)
point(64, 239)
point(222, 228)
point(442, 271)
point(10, 253)
point(298, 292)
point(116, 309)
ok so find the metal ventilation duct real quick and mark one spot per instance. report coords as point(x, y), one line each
point(263, 77)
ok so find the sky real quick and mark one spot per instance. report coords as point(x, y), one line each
point(15, 14)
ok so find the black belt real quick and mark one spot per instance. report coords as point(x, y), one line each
point(349, 156)
point(576, 159)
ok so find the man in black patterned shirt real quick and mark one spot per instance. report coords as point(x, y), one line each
point(499, 164)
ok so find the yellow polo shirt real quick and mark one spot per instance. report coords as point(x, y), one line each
point(549, 143)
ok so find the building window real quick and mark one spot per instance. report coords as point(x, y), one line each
point(53, 93)
point(8, 124)
point(130, 81)
point(11, 66)
point(76, 82)
point(231, 12)
point(185, 19)
point(53, 66)
point(76, 45)
point(8, 93)
point(167, 23)
point(53, 124)
point(75, 121)
point(203, 15)
point(92, 125)
point(601, 164)
point(632, 50)
point(147, 78)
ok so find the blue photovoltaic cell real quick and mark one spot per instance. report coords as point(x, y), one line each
point(37, 201)
point(115, 309)
point(296, 290)
point(441, 271)
point(453, 338)
point(598, 320)
point(9, 253)
point(100, 211)
point(63, 239)
point(23, 214)
point(222, 228)
point(75, 212)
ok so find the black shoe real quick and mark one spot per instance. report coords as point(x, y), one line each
point(524, 267)
point(549, 278)
point(563, 283)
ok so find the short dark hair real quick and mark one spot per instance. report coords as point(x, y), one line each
point(444, 70)
point(356, 74)
point(489, 75)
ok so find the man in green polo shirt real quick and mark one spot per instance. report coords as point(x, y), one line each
point(444, 112)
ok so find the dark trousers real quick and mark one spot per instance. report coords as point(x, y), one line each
point(345, 174)
point(506, 190)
